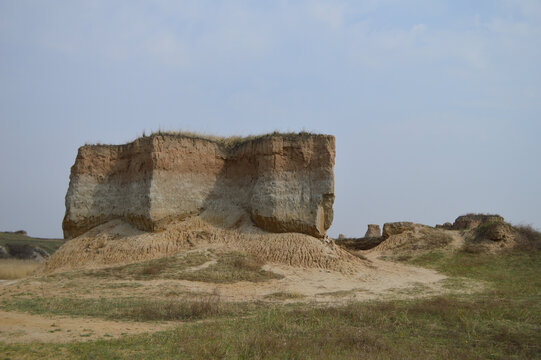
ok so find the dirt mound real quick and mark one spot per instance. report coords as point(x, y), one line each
point(498, 235)
point(417, 237)
point(117, 242)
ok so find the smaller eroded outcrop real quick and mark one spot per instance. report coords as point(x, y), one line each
point(373, 231)
point(396, 228)
point(472, 221)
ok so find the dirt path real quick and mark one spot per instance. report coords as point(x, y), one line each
point(18, 327)
point(380, 280)
point(458, 240)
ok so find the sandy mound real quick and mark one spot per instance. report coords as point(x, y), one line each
point(117, 242)
point(421, 237)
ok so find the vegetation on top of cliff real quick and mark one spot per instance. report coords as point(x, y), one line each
point(227, 142)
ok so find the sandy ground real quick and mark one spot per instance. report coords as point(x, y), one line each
point(24, 328)
point(384, 280)
point(376, 279)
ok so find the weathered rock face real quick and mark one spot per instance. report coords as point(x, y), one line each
point(500, 231)
point(446, 226)
point(471, 221)
point(284, 183)
point(373, 231)
point(396, 228)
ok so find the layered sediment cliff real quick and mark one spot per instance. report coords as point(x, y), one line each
point(283, 183)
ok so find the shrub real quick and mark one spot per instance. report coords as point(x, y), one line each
point(528, 238)
point(246, 263)
point(152, 269)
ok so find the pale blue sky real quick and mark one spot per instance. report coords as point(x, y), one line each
point(435, 105)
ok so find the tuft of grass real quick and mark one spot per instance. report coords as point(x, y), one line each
point(247, 263)
point(228, 143)
point(176, 309)
point(15, 268)
point(153, 269)
point(340, 293)
point(284, 295)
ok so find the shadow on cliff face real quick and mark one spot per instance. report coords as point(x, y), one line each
point(228, 203)
point(278, 191)
point(109, 182)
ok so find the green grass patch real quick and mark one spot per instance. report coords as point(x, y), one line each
point(134, 309)
point(228, 268)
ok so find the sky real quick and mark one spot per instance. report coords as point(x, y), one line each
point(435, 105)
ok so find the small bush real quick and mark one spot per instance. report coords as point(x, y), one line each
point(152, 269)
point(249, 264)
point(528, 238)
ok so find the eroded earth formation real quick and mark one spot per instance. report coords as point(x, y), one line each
point(282, 182)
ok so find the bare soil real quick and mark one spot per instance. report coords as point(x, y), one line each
point(18, 327)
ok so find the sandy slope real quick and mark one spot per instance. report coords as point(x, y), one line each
point(24, 328)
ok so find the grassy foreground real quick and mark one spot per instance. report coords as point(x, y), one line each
point(502, 322)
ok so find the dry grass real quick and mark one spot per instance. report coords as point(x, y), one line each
point(176, 309)
point(226, 267)
point(521, 237)
point(248, 263)
point(473, 248)
point(229, 142)
point(284, 295)
point(528, 237)
point(16, 269)
point(133, 308)
point(226, 142)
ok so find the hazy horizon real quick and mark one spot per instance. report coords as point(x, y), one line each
point(435, 105)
